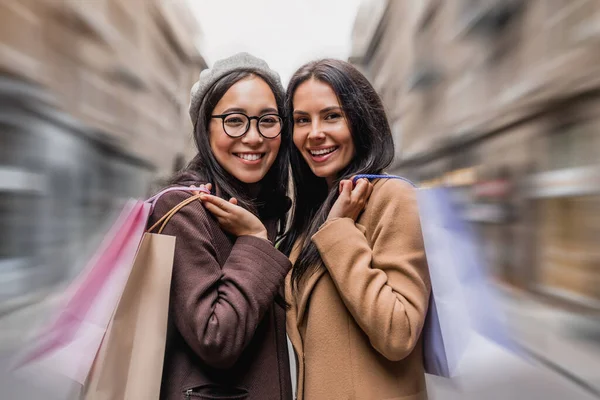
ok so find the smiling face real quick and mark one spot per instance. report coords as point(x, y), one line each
point(321, 132)
point(247, 158)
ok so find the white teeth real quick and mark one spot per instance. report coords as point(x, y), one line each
point(323, 151)
point(249, 157)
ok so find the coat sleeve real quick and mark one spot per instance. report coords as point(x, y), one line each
point(215, 307)
point(382, 274)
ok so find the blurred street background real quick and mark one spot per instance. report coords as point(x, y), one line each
point(497, 99)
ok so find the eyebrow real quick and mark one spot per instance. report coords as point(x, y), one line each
point(332, 108)
point(323, 111)
point(268, 110)
point(233, 109)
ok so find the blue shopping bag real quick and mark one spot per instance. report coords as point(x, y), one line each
point(463, 303)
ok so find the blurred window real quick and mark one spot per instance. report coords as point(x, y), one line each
point(572, 146)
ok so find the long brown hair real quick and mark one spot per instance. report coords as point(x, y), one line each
point(374, 146)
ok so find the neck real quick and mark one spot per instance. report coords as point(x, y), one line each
point(253, 189)
point(250, 189)
point(330, 180)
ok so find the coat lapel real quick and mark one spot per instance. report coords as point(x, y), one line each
point(298, 301)
point(305, 288)
point(304, 293)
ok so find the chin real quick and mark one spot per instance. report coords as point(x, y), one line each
point(249, 178)
point(323, 173)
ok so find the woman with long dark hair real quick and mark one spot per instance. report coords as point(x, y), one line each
point(359, 288)
point(226, 336)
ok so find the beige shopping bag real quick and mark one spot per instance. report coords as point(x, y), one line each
point(130, 361)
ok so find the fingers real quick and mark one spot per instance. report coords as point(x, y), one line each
point(370, 185)
point(361, 193)
point(361, 189)
point(221, 208)
point(345, 187)
point(223, 205)
point(215, 210)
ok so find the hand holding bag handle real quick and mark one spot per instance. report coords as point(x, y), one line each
point(167, 217)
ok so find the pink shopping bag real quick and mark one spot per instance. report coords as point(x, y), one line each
point(68, 345)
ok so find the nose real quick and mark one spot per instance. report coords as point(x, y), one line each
point(252, 137)
point(316, 133)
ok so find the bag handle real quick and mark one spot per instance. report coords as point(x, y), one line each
point(374, 176)
point(167, 217)
point(152, 200)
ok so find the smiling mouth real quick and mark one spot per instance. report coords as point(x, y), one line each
point(323, 152)
point(249, 156)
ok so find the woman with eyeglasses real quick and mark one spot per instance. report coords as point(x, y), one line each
point(226, 337)
point(359, 287)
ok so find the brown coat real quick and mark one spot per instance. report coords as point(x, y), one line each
point(356, 323)
point(226, 334)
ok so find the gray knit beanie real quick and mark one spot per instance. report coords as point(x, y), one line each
point(237, 62)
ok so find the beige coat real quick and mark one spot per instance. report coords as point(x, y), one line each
point(356, 324)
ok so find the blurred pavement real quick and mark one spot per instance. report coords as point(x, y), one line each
point(565, 341)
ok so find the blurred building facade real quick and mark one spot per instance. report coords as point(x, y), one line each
point(94, 98)
point(500, 99)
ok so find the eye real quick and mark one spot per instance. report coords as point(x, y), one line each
point(235, 120)
point(301, 120)
point(269, 120)
point(333, 116)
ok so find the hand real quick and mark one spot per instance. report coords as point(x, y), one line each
point(351, 201)
point(233, 218)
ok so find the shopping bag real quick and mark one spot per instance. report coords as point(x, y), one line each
point(68, 345)
point(64, 350)
point(130, 361)
point(463, 305)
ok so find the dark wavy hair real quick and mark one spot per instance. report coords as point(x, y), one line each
point(374, 151)
point(272, 200)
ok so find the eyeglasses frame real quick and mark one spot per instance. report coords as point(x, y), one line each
point(257, 118)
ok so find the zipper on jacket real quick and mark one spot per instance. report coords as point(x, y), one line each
point(190, 392)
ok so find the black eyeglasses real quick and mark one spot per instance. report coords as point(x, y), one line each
point(237, 124)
